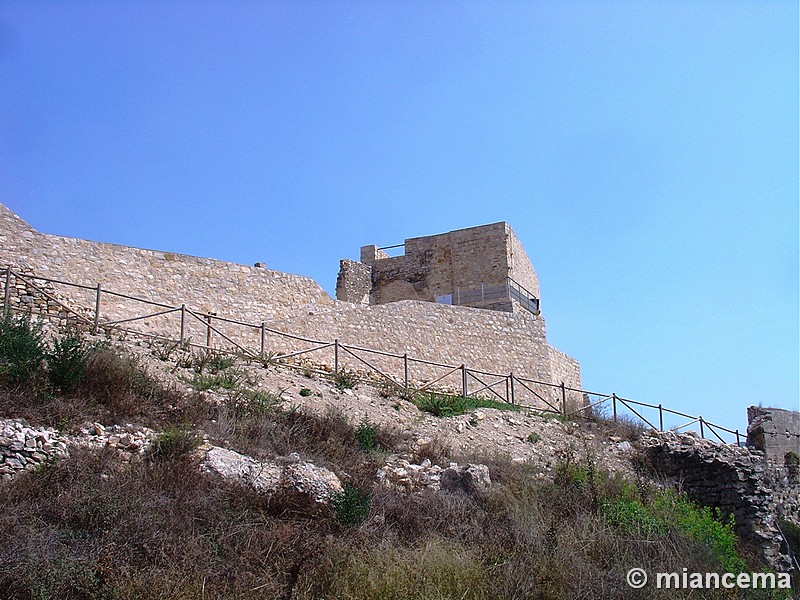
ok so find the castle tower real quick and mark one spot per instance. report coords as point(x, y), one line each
point(482, 267)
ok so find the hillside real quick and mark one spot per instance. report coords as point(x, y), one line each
point(139, 469)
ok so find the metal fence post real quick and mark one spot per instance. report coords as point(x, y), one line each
point(336, 356)
point(738, 443)
point(511, 385)
point(96, 311)
point(508, 389)
point(262, 340)
point(702, 433)
point(405, 372)
point(183, 323)
point(208, 331)
point(8, 290)
point(464, 380)
point(660, 418)
point(563, 399)
point(614, 406)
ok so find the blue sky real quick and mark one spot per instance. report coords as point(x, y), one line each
point(646, 154)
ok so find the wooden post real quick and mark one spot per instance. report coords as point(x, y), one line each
point(702, 433)
point(614, 406)
point(464, 380)
point(511, 382)
point(7, 299)
point(405, 372)
point(183, 323)
point(563, 400)
point(336, 356)
point(660, 418)
point(262, 340)
point(96, 311)
point(208, 331)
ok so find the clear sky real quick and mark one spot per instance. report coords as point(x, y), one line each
point(645, 152)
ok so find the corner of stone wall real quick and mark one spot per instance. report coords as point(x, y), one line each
point(774, 431)
point(567, 369)
point(354, 282)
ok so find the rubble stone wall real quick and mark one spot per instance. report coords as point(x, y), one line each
point(742, 482)
point(776, 432)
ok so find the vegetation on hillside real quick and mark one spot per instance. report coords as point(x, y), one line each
point(92, 526)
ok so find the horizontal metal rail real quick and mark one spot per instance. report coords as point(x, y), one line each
point(509, 379)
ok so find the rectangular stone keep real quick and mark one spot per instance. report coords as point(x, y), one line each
point(481, 267)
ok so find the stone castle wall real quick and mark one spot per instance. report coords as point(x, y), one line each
point(498, 342)
point(250, 294)
point(492, 341)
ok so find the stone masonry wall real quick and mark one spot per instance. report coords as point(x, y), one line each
point(521, 267)
point(247, 293)
point(354, 282)
point(774, 431)
point(493, 341)
point(740, 481)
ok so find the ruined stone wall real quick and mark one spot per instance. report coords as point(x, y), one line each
point(740, 481)
point(354, 282)
point(774, 431)
point(246, 293)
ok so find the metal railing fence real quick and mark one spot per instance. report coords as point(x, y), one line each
point(405, 373)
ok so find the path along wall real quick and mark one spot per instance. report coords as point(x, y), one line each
point(488, 340)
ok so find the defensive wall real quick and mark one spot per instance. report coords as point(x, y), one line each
point(497, 342)
point(248, 293)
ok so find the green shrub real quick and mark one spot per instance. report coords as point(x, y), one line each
point(66, 363)
point(22, 350)
point(533, 437)
point(174, 443)
point(344, 379)
point(305, 392)
point(366, 434)
point(631, 516)
point(448, 405)
point(791, 461)
point(219, 362)
point(791, 534)
point(246, 404)
point(230, 379)
point(351, 506)
point(703, 524)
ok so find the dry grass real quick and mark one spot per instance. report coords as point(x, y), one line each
point(92, 526)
